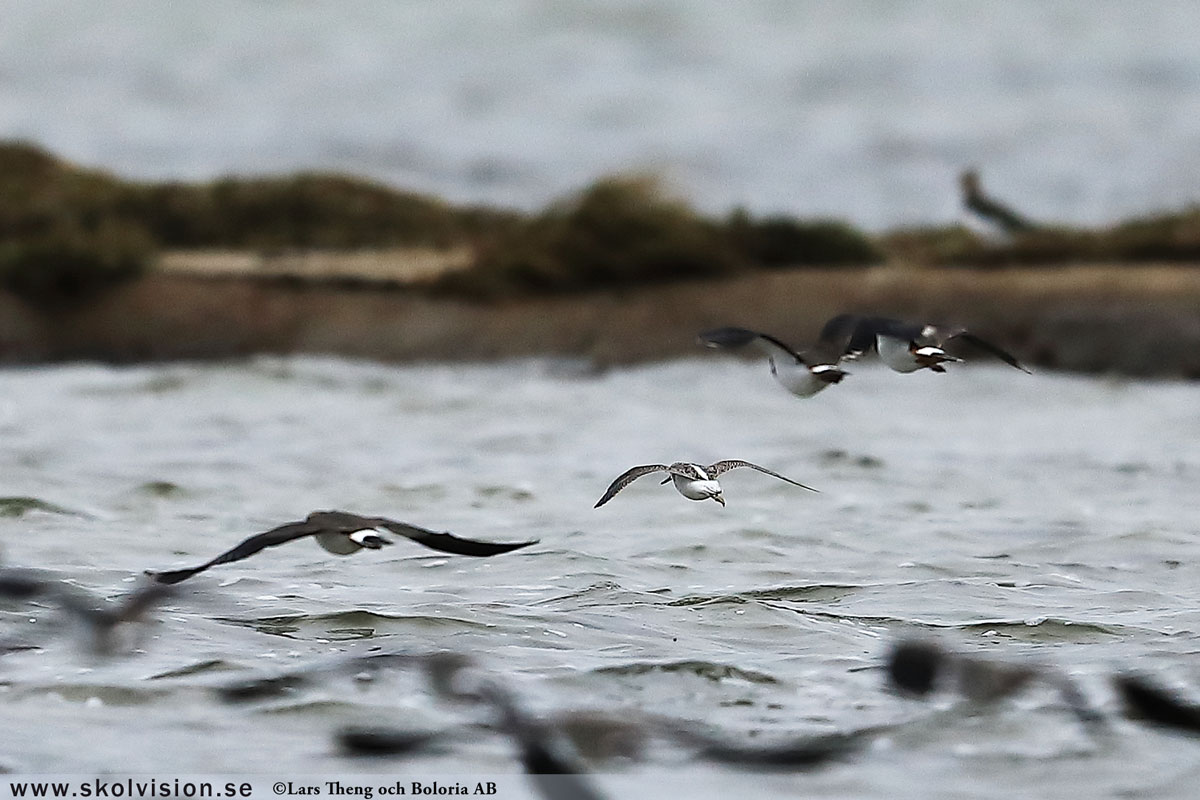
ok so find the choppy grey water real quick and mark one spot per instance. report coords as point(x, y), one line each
point(1044, 516)
point(867, 110)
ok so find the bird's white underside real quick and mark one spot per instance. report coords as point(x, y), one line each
point(895, 353)
point(696, 490)
point(798, 378)
point(343, 544)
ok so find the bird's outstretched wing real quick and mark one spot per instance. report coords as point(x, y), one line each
point(448, 543)
point(863, 330)
point(854, 334)
point(1146, 700)
point(626, 478)
point(276, 536)
point(543, 750)
point(684, 469)
point(23, 584)
point(724, 466)
point(871, 327)
point(988, 347)
point(130, 609)
point(840, 337)
point(321, 522)
point(96, 616)
point(135, 604)
point(730, 338)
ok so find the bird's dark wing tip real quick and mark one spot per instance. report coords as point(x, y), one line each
point(470, 547)
point(506, 547)
point(171, 576)
point(449, 543)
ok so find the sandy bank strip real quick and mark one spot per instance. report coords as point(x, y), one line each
point(1127, 319)
point(398, 266)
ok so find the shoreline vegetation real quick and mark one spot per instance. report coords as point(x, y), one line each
point(96, 267)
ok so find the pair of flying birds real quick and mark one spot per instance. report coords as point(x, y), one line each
point(343, 533)
point(905, 347)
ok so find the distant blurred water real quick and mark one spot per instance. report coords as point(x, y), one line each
point(862, 109)
point(1044, 517)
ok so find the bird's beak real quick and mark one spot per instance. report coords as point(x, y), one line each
point(719, 499)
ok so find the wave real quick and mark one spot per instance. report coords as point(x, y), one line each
point(20, 506)
point(354, 624)
point(711, 670)
point(817, 592)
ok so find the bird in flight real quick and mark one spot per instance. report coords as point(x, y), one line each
point(98, 619)
point(802, 374)
point(343, 533)
point(693, 481)
point(908, 346)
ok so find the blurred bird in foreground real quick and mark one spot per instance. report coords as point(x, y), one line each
point(920, 667)
point(99, 620)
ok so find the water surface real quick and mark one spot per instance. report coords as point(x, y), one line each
point(1043, 516)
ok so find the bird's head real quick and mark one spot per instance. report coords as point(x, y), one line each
point(968, 181)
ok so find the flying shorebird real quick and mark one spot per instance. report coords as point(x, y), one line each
point(801, 374)
point(691, 480)
point(343, 533)
point(908, 346)
point(988, 214)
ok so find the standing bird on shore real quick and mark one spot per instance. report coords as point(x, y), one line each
point(691, 480)
point(991, 217)
point(343, 533)
point(801, 374)
point(909, 346)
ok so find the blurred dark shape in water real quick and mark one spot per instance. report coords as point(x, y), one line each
point(99, 620)
point(1147, 701)
point(921, 667)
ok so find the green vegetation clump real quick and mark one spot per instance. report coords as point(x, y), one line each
point(957, 246)
point(618, 232)
point(308, 211)
point(68, 263)
point(625, 231)
point(1163, 237)
point(63, 237)
point(1166, 237)
point(784, 242)
point(68, 233)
